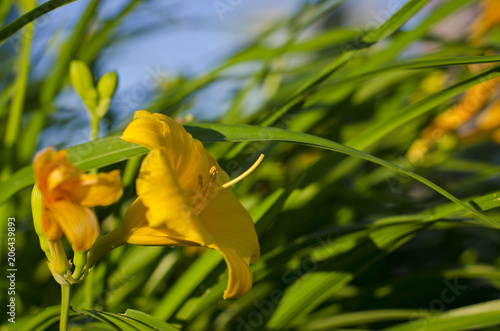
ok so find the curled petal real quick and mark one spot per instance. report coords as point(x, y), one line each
point(240, 277)
point(147, 130)
point(78, 223)
point(235, 237)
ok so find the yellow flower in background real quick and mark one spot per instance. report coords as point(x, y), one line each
point(487, 125)
point(472, 102)
point(474, 99)
point(487, 20)
point(67, 195)
point(184, 199)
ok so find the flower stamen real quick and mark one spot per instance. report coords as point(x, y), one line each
point(202, 197)
point(243, 175)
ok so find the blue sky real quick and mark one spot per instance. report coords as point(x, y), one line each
point(189, 37)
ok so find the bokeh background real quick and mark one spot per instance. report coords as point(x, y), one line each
point(346, 244)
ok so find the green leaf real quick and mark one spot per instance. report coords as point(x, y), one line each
point(472, 317)
point(133, 320)
point(381, 128)
point(416, 64)
point(363, 317)
point(312, 289)
point(186, 284)
point(39, 321)
point(11, 28)
point(148, 319)
point(395, 21)
point(112, 149)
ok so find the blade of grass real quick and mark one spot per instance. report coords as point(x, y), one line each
point(112, 150)
point(380, 129)
point(53, 84)
point(5, 7)
point(477, 316)
point(364, 317)
point(306, 293)
point(18, 100)
point(11, 28)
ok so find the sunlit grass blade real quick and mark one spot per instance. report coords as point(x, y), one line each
point(472, 317)
point(380, 129)
point(415, 64)
point(363, 318)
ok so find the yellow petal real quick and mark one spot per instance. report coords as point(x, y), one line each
point(95, 189)
point(234, 235)
point(146, 130)
point(148, 236)
point(168, 206)
point(240, 277)
point(135, 217)
point(188, 158)
point(78, 223)
point(136, 230)
point(50, 229)
point(62, 172)
point(42, 167)
point(52, 169)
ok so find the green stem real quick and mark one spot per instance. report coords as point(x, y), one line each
point(79, 260)
point(65, 296)
point(104, 244)
point(88, 291)
point(94, 126)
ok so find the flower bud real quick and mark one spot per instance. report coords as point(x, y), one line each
point(107, 85)
point(83, 83)
point(36, 209)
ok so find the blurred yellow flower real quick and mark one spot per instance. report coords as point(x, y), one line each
point(67, 195)
point(474, 98)
point(184, 200)
point(487, 20)
point(472, 102)
point(487, 125)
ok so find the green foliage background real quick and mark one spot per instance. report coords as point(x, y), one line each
point(353, 236)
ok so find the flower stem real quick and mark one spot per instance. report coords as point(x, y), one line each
point(104, 244)
point(94, 126)
point(65, 295)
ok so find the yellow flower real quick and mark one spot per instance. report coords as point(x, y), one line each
point(471, 103)
point(184, 200)
point(487, 125)
point(487, 20)
point(67, 195)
